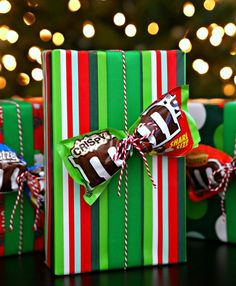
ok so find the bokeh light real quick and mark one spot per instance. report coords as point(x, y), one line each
point(200, 66)
point(215, 40)
point(88, 29)
point(153, 28)
point(37, 74)
point(202, 33)
point(130, 30)
point(209, 4)
point(3, 32)
point(5, 6)
point(226, 72)
point(229, 89)
point(185, 45)
point(119, 19)
point(230, 29)
point(12, 36)
point(3, 82)
point(23, 79)
point(34, 54)
point(45, 35)
point(58, 39)
point(9, 62)
point(74, 5)
point(188, 9)
point(29, 18)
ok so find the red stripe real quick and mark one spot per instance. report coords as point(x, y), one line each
point(84, 111)
point(159, 77)
point(49, 163)
point(172, 69)
point(160, 215)
point(173, 209)
point(70, 180)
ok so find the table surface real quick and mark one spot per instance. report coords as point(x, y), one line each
point(209, 263)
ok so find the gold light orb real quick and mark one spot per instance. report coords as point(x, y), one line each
point(226, 72)
point(12, 36)
point(130, 30)
point(23, 79)
point(229, 89)
point(188, 9)
point(209, 5)
point(88, 29)
point(5, 6)
point(32, 3)
point(215, 40)
point(74, 5)
point(119, 19)
point(230, 29)
point(153, 28)
point(45, 35)
point(3, 82)
point(3, 32)
point(29, 18)
point(37, 74)
point(9, 62)
point(58, 39)
point(200, 66)
point(202, 33)
point(185, 45)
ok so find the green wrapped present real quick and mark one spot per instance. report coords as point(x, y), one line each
point(216, 123)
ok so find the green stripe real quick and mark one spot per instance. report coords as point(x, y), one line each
point(94, 126)
point(10, 127)
point(115, 204)
point(147, 185)
point(103, 201)
point(229, 141)
point(181, 209)
point(57, 163)
point(134, 95)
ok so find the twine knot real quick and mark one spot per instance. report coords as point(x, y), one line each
point(32, 182)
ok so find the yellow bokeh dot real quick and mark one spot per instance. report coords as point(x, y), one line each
point(58, 39)
point(185, 45)
point(202, 33)
point(130, 30)
point(3, 32)
point(9, 62)
point(88, 29)
point(153, 28)
point(37, 74)
point(188, 9)
point(119, 19)
point(23, 79)
point(229, 89)
point(29, 18)
point(200, 66)
point(12, 36)
point(45, 35)
point(5, 6)
point(209, 4)
point(3, 82)
point(74, 5)
point(230, 29)
point(226, 72)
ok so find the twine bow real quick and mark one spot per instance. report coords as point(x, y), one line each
point(32, 181)
point(133, 141)
point(226, 171)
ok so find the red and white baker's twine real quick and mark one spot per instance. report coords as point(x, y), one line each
point(31, 181)
point(228, 170)
point(122, 154)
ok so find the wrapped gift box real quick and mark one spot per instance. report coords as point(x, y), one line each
point(83, 91)
point(30, 240)
point(216, 123)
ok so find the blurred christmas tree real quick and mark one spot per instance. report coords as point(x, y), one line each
point(204, 29)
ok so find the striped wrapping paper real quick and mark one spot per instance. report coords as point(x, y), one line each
point(84, 91)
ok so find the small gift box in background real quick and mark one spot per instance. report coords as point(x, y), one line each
point(84, 91)
point(205, 219)
point(16, 131)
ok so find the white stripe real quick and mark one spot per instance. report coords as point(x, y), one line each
point(1, 178)
point(155, 212)
point(75, 97)
point(161, 123)
point(112, 151)
point(165, 202)
point(14, 175)
point(98, 168)
point(154, 172)
point(144, 131)
point(64, 171)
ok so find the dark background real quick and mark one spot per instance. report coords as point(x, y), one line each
point(29, 17)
